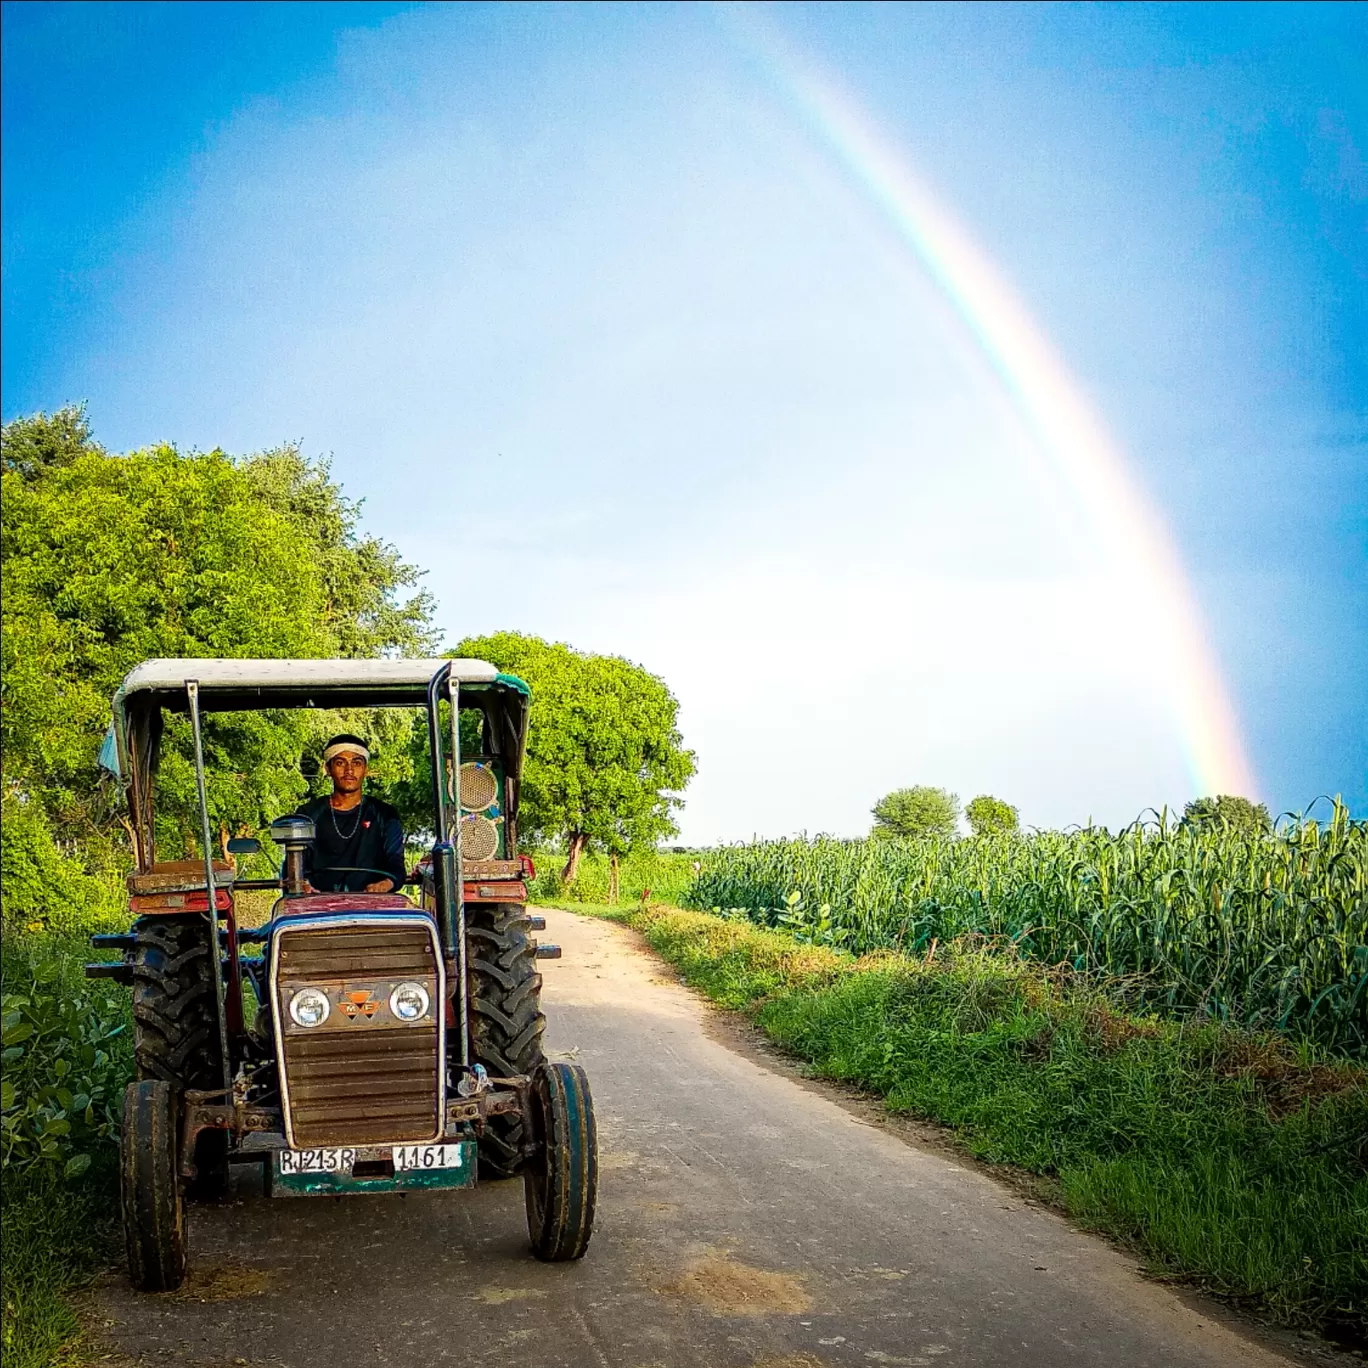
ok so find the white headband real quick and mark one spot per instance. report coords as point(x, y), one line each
point(354, 747)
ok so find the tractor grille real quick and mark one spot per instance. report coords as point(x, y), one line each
point(361, 1076)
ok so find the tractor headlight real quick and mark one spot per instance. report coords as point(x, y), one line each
point(309, 1007)
point(409, 1002)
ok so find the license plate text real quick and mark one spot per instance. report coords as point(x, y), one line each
point(426, 1157)
point(317, 1160)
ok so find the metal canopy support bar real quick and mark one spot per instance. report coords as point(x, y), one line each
point(192, 693)
point(454, 694)
point(446, 853)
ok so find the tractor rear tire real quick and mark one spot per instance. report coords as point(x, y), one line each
point(562, 1179)
point(175, 1017)
point(506, 1021)
point(153, 1215)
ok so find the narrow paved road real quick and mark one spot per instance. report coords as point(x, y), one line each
point(744, 1219)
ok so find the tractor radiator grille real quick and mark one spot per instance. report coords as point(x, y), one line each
point(361, 1076)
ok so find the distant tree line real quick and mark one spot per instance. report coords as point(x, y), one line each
point(922, 811)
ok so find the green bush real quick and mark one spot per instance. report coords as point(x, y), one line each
point(46, 888)
point(66, 1058)
point(55, 1233)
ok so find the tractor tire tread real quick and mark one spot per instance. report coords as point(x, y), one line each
point(175, 1018)
point(562, 1188)
point(153, 1215)
point(506, 1021)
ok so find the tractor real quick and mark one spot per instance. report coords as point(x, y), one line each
point(396, 1041)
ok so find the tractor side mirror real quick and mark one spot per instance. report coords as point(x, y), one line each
point(244, 845)
point(309, 766)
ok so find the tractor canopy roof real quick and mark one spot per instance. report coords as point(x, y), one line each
point(246, 685)
point(132, 748)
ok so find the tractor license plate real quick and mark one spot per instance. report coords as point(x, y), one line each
point(317, 1160)
point(426, 1157)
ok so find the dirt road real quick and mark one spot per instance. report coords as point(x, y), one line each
point(744, 1219)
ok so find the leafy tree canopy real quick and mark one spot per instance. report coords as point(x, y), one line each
point(989, 816)
point(109, 560)
point(1228, 811)
point(915, 812)
point(605, 760)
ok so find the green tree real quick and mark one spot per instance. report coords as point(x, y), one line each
point(109, 560)
point(605, 761)
point(916, 811)
point(1228, 811)
point(989, 816)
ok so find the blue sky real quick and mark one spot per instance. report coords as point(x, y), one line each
point(612, 347)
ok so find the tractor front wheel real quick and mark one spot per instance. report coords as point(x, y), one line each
point(153, 1215)
point(561, 1179)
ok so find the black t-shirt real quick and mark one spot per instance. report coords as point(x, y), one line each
point(354, 847)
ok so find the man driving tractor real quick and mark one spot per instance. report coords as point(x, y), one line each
point(359, 843)
point(397, 1043)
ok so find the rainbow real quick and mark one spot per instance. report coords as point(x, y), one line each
point(1043, 393)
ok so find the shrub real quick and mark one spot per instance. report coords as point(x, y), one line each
point(66, 1059)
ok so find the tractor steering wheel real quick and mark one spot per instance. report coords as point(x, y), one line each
point(359, 869)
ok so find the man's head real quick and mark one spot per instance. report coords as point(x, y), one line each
point(345, 758)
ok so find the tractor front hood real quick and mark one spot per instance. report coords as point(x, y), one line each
point(358, 1000)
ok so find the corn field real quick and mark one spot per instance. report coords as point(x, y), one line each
point(1263, 931)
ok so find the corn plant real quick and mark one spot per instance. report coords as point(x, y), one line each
point(1267, 931)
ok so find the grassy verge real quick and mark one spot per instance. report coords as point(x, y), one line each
point(66, 1059)
point(1235, 1161)
point(55, 1236)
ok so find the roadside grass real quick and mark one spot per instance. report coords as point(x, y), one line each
point(1234, 1161)
point(66, 1060)
point(55, 1236)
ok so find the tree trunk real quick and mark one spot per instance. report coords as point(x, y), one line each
point(573, 850)
point(613, 878)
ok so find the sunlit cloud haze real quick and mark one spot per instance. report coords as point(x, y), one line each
point(620, 349)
